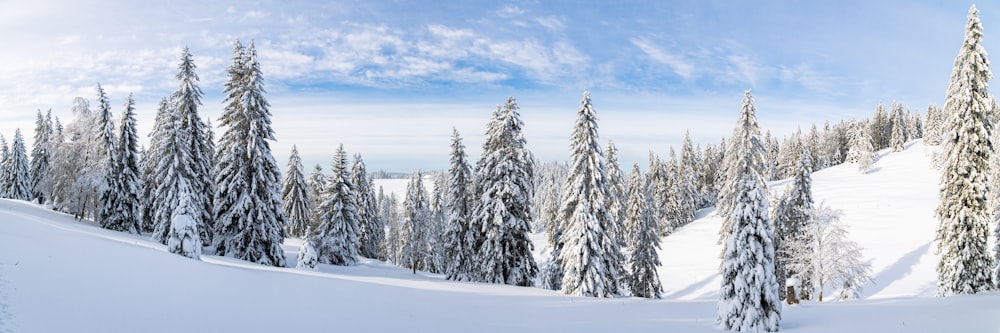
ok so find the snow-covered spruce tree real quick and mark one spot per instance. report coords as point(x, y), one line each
point(672, 216)
point(17, 171)
point(746, 127)
point(862, 151)
point(591, 256)
point(371, 229)
point(316, 184)
point(186, 101)
point(307, 256)
point(295, 201)
point(435, 225)
point(932, 126)
point(791, 224)
point(829, 256)
point(502, 208)
point(898, 135)
point(41, 155)
point(687, 187)
point(965, 265)
point(459, 238)
point(336, 239)
point(643, 240)
point(121, 206)
point(880, 127)
point(412, 235)
point(617, 193)
point(249, 222)
point(171, 171)
point(748, 297)
point(163, 126)
point(184, 238)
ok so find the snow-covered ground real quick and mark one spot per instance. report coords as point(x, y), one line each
point(62, 275)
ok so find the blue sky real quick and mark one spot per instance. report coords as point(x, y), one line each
point(389, 79)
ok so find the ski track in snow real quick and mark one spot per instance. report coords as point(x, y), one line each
point(58, 274)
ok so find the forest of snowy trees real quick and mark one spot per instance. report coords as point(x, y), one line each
point(227, 196)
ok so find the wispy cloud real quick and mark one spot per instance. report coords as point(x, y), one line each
point(682, 67)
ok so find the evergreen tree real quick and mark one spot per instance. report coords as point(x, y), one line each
point(121, 206)
point(590, 255)
point(686, 182)
point(898, 135)
point(748, 298)
point(792, 223)
point(643, 240)
point(932, 127)
point(17, 171)
point(162, 141)
point(307, 256)
point(316, 184)
point(41, 154)
point(504, 190)
point(965, 266)
point(737, 154)
point(295, 201)
point(183, 238)
point(617, 193)
point(248, 217)
point(412, 236)
point(862, 151)
point(459, 238)
point(198, 143)
point(336, 238)
point(372, 232)
point(171, 174)
point(880, 127)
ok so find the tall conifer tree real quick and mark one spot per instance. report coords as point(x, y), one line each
point(965, 266)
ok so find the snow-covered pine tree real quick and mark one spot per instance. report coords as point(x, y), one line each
point(17, 172)
point(186, 101)
point(862, 151)
point(249, 222)
point(829, 256)
point(336, 239)
point(643, 240)
point(617, 193)
point(502, 210)
point(41, 154)
point(459, 238)
point(748, 297)
point(307, 256)
point(412, 235)
point(171, 171)
point(371, 229)
point(295, 201)
point(880, 129)
point(792, 224)
point(898, 134)
point(965, 265)
point(316, 184)
point(686, 181)
point(746, 127)
point(932, 126)
point(183, 238)
point(916, 127)
point(161, 137)
point(120, 201)
point(591, 256)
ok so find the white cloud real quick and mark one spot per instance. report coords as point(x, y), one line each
point(682, 67)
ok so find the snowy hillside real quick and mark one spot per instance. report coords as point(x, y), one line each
point(62, 275)
point(890, 212)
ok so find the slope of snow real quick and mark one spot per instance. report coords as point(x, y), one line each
point(62, 275)
point(890, 212)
